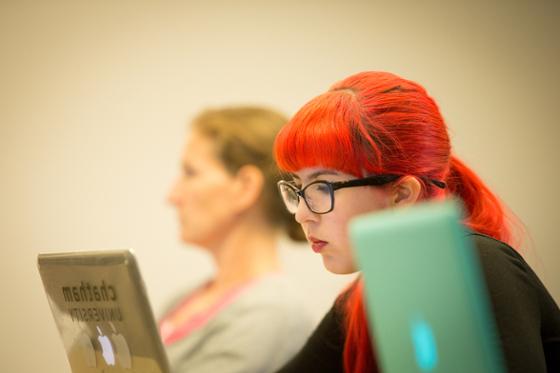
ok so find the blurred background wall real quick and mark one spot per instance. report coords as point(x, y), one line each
point(95, 98)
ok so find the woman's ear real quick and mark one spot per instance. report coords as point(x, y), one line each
point(248, 187)
point(406, 191)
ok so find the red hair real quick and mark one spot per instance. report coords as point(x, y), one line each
point(380, 123)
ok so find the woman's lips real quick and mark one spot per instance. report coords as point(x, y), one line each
point(317, 245)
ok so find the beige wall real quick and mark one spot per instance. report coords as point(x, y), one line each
point(95, 95)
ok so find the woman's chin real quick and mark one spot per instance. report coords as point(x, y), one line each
point(337, 267)
point(197, 242)
point(190, 240)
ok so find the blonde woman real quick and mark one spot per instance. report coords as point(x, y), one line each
point(247, 317)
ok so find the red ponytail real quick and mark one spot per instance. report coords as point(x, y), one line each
point(484, 212)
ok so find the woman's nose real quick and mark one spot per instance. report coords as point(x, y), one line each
point(174, 196)
point(303, 213)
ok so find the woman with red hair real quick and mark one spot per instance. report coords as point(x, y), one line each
point(376, 141)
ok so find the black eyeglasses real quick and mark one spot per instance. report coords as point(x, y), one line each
point(319, 195)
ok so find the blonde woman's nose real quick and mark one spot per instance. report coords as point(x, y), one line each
point(174, 194)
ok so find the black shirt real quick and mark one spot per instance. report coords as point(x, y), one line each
point(527, 318)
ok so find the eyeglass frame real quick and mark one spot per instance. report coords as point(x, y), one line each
point(375, 180)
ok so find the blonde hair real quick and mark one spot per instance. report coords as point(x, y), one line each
point(244, 135)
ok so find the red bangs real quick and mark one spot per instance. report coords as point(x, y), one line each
point(319, 135)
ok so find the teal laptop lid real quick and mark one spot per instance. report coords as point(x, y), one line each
point(427, 303)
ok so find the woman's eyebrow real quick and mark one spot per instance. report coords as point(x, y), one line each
point(316, 174)
point(312, 176)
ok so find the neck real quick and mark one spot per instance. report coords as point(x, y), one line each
point(247, 252)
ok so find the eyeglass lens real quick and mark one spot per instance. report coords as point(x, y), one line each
point(317, 197)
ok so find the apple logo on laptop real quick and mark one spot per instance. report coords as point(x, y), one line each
point(424, 343)
point(106, 347)
point(121, 347)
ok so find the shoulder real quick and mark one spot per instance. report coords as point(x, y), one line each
point(272, 291)
point(527, 317)
point(272, 303)
point(259, 330)
point(507, 274)
point(267, 322)
point(179, 298)
point(499, 260)
point(494, 249)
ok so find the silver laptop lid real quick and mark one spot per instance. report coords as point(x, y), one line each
point(100, 306)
